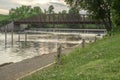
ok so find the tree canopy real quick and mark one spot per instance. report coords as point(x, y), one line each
point(24, 12)
point(99, 9)
point(73, 10)
point(51, 9)
point(107, 11)
point(116, 14)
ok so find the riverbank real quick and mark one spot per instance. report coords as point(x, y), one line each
point(16, 70)
point(97, 61)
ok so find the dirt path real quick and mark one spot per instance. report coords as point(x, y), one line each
point(14, 71)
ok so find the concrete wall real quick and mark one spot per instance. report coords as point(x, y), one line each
point(9, 27)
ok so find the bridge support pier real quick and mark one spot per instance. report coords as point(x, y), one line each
point(12, 38)
point(19, 38)
point(25, 38)
point(6, 36)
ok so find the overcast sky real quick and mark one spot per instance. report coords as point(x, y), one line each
point(6, 5)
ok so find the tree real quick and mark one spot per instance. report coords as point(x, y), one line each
point(20, 12)
point(99, 9)
point(73, 10)
point(12, 13)
point(64, 12)
point(37, 10)
point(51, 9)
point(116, 14)
point(23, 12)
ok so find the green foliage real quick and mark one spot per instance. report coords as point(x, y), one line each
point(36, 10)
point(99, 9)
point(51, 9)
point(116, 14)
point(24, 12)
point(64, 12)
point(21, 12)
point(98, 61)
point(4, 19)
point(73, 10)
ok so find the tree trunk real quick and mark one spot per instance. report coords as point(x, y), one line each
point(108, 25)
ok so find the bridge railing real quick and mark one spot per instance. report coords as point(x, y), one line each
point(58, 18)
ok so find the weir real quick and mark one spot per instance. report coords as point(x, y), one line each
point(60, 33)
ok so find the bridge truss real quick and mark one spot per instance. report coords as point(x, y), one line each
point(59, 19)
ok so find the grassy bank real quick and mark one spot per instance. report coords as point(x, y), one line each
point(98, 61)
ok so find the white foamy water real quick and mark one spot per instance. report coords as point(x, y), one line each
point(36, 46)
point(18, 53)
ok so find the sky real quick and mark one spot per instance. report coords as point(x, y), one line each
point(6, 5)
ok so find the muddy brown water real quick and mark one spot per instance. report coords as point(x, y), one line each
point(22, 50)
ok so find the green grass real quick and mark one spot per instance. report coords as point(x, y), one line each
point(98, 61)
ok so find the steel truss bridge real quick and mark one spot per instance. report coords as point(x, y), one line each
point(59, 19)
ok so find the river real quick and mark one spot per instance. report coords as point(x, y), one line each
point(34, 47)
point(21, 51)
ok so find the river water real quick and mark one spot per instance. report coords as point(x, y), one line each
point(37, 45)
point(20, 51)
